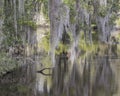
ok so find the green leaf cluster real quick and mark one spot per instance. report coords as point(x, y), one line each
point(28, 23)
point(102, 11)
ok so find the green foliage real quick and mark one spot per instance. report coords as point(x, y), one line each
point(116, 6)
point(102, 11)
point(61, 47)
point(8, 26)
point(22, 88)
point(45, 8)
point(113, 19)
point(85, 47)
point(9, 32)
point(2, 9)
point(71, 5)
point(46, 46)
point(29, 9)
point(118, 22)
point(45, 42)
point(27, 20)
point(87, 5)
point(47, 62)
point(72, 14)
point(67, 1)
point(28, 23)
point(6, 63)
point(95, 36)
point(1, 12)
point(24, 20)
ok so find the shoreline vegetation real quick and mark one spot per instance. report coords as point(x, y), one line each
point(29, 28)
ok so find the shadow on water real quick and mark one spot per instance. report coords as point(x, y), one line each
point(89, 76)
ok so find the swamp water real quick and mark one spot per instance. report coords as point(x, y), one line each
point(89, 76)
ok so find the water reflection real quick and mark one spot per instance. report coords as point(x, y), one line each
point(104, 84)
point(19, 82)
point(88, 76)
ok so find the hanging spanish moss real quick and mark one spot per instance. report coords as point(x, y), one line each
point(59, 47)
point(59, 19)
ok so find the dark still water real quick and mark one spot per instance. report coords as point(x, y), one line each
point(89, 76)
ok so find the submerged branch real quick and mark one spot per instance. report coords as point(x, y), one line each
point(42, 71)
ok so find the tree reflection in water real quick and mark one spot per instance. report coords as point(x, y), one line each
point(104, 84)
point(19, 82)
point(96, 78)
point(88, 76)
